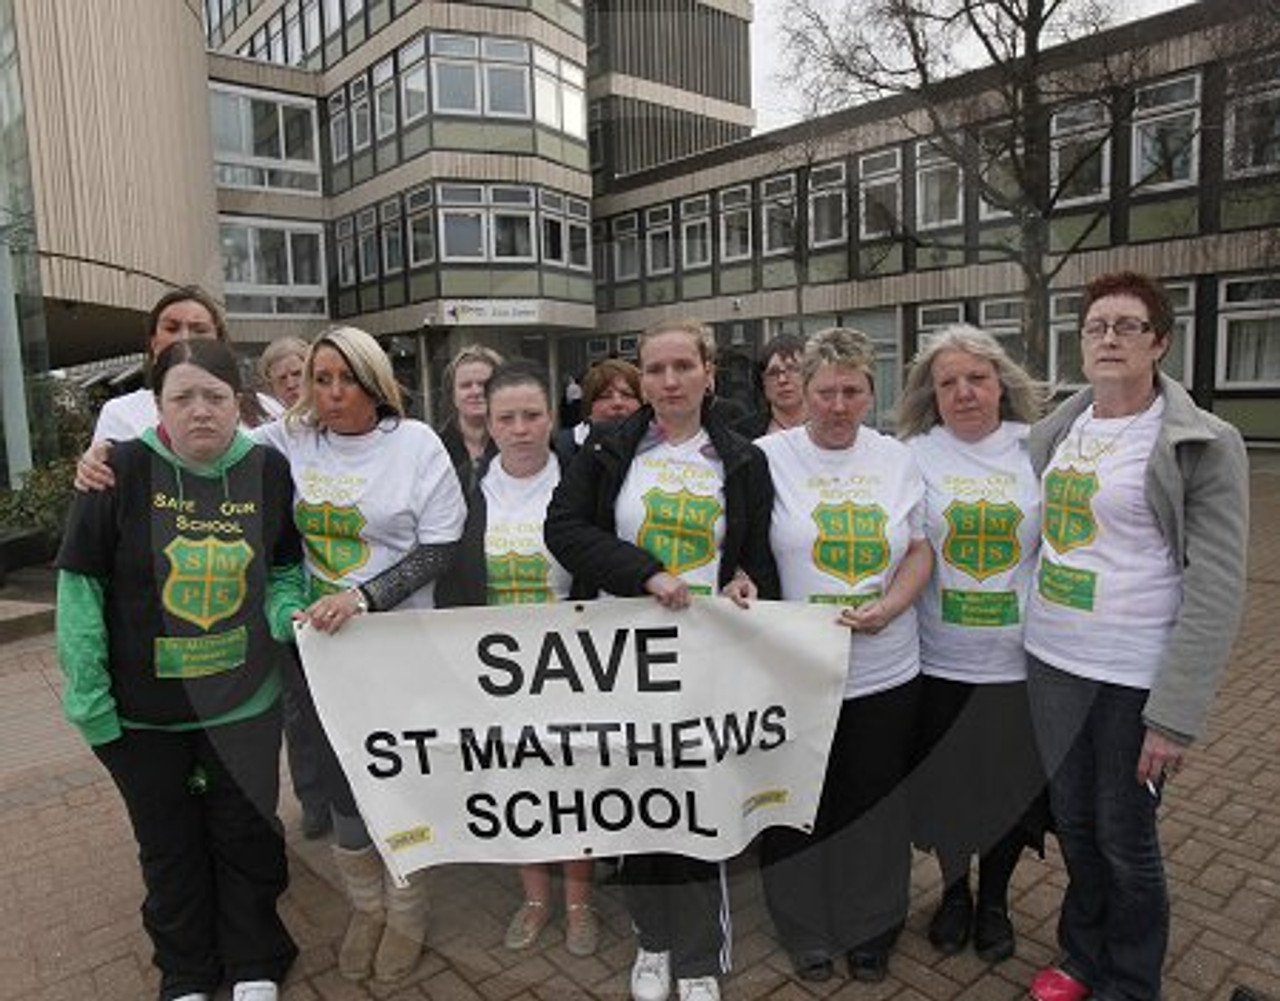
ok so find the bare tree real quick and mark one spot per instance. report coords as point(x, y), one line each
point(981, 82)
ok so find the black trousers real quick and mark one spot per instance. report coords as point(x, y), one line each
point(681, 905)
point(331, 781)
point(211, 849)
point(847, 884)
point(305, 742)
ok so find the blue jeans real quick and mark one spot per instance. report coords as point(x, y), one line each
point(1114, 925)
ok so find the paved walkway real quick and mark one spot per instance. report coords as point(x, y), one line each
point(69, 886)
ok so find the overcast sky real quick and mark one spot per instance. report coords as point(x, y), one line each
point(775, 107)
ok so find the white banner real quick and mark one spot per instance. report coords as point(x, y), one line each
point(543, 732)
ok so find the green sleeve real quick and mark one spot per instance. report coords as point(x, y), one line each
point(286, 594)
point(82, 651)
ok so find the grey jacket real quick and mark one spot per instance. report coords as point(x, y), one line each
point(1197, 484)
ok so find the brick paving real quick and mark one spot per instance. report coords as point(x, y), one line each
point(69, 885)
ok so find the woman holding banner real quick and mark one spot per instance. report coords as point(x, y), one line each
point(978, 788)
point(504, 515)
point(594, 528)
point(848, 531)
point(380, 511)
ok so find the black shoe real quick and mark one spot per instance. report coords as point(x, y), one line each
point(949, 929)
point(812, 965)
point(316, 823)
point(868, 966)
point(993, 934)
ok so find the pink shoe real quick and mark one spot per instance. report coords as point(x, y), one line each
point(1054, 984)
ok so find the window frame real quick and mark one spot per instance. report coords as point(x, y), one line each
point(1146, 117)
point(1263, 308)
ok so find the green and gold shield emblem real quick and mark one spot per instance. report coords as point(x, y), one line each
point(982, 538)
point(206, 580)
point(1068, 509)
point(332, 535)
point(513, 579)
point(851, 543)
point(679, 529)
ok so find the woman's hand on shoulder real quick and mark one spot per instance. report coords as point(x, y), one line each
point(669, 589)
point(93, 474)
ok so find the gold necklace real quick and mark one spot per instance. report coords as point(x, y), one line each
point(1109, 445)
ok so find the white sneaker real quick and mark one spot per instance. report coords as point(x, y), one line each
point(699, 989)
point(193, 997)
point(651, 976)
point(255, 990)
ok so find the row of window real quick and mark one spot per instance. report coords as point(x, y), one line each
point(463, 75)
point(1165, 144)
point(264, 140)
point(272, 267)
point(1248, 344)
point(458, 223)
point(294, 33)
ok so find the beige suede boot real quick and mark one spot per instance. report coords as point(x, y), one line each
point(406, 932)
point(362, 876)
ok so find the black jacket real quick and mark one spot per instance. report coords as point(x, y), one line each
point(582, 533)
point(754, 424)
point(468, 471)
point(466, 583)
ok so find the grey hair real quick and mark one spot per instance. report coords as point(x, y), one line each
point(1022, 398)
point(841, 346)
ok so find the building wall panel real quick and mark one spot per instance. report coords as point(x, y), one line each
point(120, 147)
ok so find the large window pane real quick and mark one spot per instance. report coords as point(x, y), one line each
point(457, 87)
point(413, 92)
point(463, 234)
point(1253, 349)
point(306, 258)
point(1164, 150)
point(271, 261)
point(507, 91)
point(512, 236)
point(228, 130)
point(266, 129)
point(236, 266)
point(299, 141)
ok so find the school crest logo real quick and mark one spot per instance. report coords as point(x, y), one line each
point(851, 543)
point(982, 538)
point(332, 536)
point(1068, 509)
point(679, 529)
point(206, 580)
point(514, 579)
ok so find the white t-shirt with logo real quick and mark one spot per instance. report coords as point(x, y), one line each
point(363, 502)
point(519, 568)
point(672, 505)
point(982, 517)
point(1107, 590)
point(842, 522)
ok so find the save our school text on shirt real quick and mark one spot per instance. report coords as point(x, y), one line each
point(672, 505)
point(982, 517)
point(842, 522)
point(1107, 589)
point(362, 502)
point(519, 568)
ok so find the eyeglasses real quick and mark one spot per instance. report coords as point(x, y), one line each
point(775, 372)
point(1125, 327)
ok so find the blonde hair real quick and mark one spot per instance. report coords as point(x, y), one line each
point(1022, 398)
point(841, 346)
point(466, 355)
point(699, 331)
point(286, 347)
point(369, 365)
